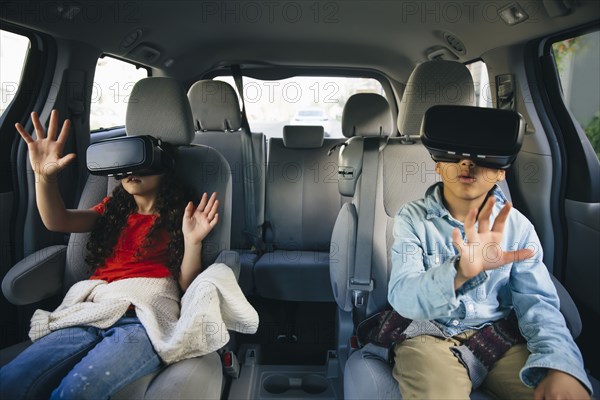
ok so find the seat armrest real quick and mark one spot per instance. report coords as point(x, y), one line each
point(36, 277)
point(232, 260)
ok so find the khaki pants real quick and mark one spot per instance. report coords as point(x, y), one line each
point(426, 369)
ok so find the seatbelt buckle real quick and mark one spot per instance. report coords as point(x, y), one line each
point(231, 365)
point(360, 293)
point(354, 342)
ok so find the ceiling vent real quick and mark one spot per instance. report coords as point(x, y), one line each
point(455, 43)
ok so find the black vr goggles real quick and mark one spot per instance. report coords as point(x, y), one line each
point(489, 137)
point(131, 155)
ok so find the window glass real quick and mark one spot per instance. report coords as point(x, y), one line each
point(483, 95)
point(13, 50)
point(301, 100)
point(113, 83)
point(578, 62)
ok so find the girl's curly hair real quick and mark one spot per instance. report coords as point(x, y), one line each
point(171, 199)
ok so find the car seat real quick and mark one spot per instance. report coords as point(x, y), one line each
point(404, 170)
point(158, 107)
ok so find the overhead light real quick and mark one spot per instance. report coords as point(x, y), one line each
point(68, 10)
point(513, 14)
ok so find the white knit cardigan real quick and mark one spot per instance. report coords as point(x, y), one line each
point(212, 304)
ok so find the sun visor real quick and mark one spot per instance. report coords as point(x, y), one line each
point(119, 157)
point(490, 137)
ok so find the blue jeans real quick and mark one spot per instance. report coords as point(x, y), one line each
point(81, 363)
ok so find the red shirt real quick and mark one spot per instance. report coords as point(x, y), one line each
point(129, 259)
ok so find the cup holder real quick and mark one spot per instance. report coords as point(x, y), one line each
point(314, 384)
point(310, 384)
point(277, 384)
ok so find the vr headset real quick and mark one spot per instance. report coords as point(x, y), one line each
point(490, 137)
point(131, 155)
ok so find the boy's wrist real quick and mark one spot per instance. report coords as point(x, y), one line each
point(459, 278)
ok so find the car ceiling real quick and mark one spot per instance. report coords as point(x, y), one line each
point(184, 39)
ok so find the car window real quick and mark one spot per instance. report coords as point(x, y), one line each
point(301, 100)
point(578, 62)
point(483, 94)
point(13, 50)
point(113, 83)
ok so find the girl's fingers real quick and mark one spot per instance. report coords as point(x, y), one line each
point(53, 125)
point(64, 132)
point(64, 161)
point(213, 210)
point(214, 221)
point(188, 210)
point(202, 204)
point(211, 201)
point(39, 129)
point(24, 134)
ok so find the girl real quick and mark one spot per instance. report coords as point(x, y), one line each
point(144, 230)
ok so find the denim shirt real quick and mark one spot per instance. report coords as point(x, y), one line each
point(422, 285)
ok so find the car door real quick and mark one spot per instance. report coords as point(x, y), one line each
point(569, 66)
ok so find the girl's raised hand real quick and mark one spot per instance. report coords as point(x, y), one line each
point(198, 223)
point(46, 152)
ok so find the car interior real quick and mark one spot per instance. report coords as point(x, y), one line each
point(306, 119)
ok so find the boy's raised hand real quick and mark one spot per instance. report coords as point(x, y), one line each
point(46, 152)
point(481, 251)
point(198, 223)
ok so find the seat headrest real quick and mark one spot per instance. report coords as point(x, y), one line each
point(436, 82)
point(303, 136)
point(159, 107)
point(215, 106)
point(490, 137)
point(367, 114)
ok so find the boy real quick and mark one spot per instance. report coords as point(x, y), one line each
point(463, 259)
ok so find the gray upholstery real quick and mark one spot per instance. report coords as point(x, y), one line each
point(216, 113)
point(293, 275)
point(215, 106)
point(342, 254)
point(350, 165)
point(303, 136)
point(302, 198)
point(229, 144)
point(36, 277)
point(202, 169)
point(367, 114)
point(159, 107)
point(431, 83)
point(174, 382)
point(302, 202)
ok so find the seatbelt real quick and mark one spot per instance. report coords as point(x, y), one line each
point(75, 112)
point(361, 283)
point(251, 230)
